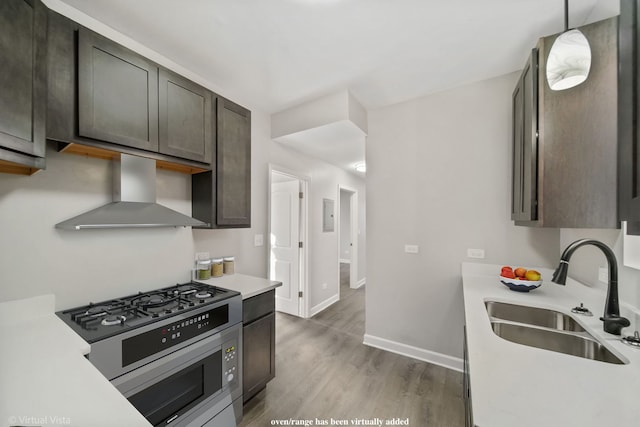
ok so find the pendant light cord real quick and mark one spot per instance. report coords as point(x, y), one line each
point(566, 15)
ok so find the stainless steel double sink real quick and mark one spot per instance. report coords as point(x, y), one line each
point(547, 330)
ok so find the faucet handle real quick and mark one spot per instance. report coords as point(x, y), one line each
point(613, 324)
point(632, 340)
point(582, 310)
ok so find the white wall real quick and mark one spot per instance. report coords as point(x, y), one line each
point(345, 225)
point(439, 176)
point(86, 265)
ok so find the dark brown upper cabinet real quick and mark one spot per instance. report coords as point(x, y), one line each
point(23, 32)
point(222, 197)
point(185, 118)
point(572, 182)
point(117, 94)
point(524, 200)
point(104, 99)
point(628, 115)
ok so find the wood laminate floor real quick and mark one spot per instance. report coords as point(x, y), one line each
point(324, 373)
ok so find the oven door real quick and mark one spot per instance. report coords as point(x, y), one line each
point(190, 384)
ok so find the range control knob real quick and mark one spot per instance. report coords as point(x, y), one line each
point(229, 378)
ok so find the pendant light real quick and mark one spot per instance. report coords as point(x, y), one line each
point(569, 60)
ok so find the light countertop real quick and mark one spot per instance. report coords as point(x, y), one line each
point(248, 286)
point(517, 385)
point(45, 379)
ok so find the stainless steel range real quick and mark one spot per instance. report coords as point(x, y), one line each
point(175, 353)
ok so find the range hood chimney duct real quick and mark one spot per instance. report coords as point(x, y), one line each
point(134, 205)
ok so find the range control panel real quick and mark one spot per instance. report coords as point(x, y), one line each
point(156, 340)
point(230, 362)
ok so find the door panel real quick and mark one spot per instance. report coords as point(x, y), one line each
point(285, 252)
point(117, 94)
point(23, 26)
point(185, 118)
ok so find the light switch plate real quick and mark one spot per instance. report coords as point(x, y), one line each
point(258, 240)
point(603, 274)
point(475, 253)
point(411, 249)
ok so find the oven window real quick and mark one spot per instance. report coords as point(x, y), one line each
point(181, 391)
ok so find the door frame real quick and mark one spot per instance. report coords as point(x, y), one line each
point(353, 226)
point(303, 279)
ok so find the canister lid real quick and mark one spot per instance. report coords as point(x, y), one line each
point(229, 258)
point(216, 260)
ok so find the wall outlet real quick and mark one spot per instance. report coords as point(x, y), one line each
point(325, 286)
point(411, 249)
point(603, 274)
point(475, 253)
point(258, 240)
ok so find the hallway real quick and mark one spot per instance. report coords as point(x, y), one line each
point(324, 372)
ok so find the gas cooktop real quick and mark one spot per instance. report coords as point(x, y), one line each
point(98, 321)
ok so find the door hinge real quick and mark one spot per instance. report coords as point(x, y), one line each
point(301, 195)
point(300, 245)
point(300, 294)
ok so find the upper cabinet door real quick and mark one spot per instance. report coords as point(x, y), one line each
point(525, 143)
point(628, 113)
point(23, 27)
point(117, 94)
point(233, 165)
point(185, 118)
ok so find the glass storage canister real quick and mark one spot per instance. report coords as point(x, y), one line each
point(216, 267)
point(203, 269)
point(229, 265)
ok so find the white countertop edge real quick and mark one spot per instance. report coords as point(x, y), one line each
point(45, 377)
point(17, 311)
point(248, 286)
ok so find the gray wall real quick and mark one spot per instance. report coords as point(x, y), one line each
point(439, 176)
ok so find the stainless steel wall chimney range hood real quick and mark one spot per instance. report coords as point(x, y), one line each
point(134, 205)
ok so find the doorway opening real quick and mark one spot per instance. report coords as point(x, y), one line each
point(348, 238)
point(288, 239)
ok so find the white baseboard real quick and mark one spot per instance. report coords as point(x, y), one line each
point(440, 359)
point(324, 305)
point(345, 261)
point(360, 283)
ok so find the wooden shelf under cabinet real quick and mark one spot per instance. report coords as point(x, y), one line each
point(101, 153)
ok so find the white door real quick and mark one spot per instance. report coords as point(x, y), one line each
point(285, 250)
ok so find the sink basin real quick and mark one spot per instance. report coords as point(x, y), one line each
point(532, 316)
point(575, 344)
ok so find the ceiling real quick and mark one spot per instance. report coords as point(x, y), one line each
point(273, 55)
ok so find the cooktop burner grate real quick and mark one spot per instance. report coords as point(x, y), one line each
point(97, 321)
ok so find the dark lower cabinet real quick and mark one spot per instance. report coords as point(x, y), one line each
point(222, 197)
point(117, 93)
point(466, 385)
point(259, 343)
point(628, 115)
point(23, 32)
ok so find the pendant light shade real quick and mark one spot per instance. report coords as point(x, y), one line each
point(569, 60)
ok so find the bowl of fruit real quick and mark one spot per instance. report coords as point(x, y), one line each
point(520, 279)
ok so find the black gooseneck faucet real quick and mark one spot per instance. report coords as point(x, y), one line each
point(613, 322)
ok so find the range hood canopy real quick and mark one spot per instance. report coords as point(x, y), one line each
point(134, 205)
